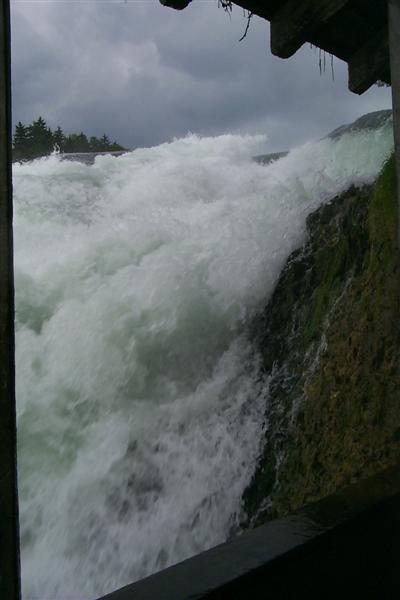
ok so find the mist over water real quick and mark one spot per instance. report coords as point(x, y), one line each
point(140, 398)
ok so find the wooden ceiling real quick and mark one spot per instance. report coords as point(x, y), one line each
point(355, 31)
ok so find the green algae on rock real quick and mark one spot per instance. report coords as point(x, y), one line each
point(330, 341)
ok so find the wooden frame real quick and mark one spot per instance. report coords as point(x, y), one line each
point(9, 531)
point(394, 45)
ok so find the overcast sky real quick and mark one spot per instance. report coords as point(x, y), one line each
point(144, 74)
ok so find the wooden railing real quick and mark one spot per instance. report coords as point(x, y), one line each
point(344, 546)
point(9, 542)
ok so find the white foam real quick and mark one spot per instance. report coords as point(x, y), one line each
point(140, 400)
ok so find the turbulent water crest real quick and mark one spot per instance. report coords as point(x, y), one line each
point(140, 398)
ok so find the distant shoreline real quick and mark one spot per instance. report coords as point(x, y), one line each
point(85, 157)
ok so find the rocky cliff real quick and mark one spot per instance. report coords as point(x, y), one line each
point(330, 341)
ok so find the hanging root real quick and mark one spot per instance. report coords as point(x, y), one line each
point(322, 60)
point(226, 5)
point(249, 16)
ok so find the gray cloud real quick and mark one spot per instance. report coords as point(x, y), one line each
point(145, 74)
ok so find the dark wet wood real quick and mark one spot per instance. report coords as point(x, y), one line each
point(9, 544)
point(347, 541)
point(338, 27)
point(293, 24)
point(177, 4)
point(394, 42)
point(369, 62)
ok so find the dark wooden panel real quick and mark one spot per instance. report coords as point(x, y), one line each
point(355, 30)
point(394, 38)
point(338, 27)
point(369, 63)
point(293, 23)
point(346, 541)
point(9, 549)
point(262, 8)
point(177, 4)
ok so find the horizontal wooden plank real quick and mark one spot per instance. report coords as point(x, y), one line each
point(369, 63)
point(293, 23)
point(261, 8)
point(178, 4)
point(345, 541)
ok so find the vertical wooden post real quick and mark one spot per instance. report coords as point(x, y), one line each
point(9, 534)
point(394, 44)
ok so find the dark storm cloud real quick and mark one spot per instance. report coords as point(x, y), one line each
point(144, 74)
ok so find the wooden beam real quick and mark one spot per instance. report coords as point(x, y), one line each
point(9, 543)
point(262, 8)
point(394, 44)
point(177, 4)
point(292, 24)
point(369, 63)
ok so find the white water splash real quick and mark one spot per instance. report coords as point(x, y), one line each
point(140, 400)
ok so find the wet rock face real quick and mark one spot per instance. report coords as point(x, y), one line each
point(330, 340)
point(373, 120)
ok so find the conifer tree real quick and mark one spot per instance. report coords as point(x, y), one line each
point(104, 143)
point(77, 142)
point(83, 142)
point(42, 138)
point(37, 139)
point(95, 144)
point(59, 138)
point(20, 141)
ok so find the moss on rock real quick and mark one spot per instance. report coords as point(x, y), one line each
point(330, 340)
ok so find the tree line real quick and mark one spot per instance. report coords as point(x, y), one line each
point(37, 139)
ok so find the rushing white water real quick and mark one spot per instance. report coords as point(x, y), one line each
point(140, 399)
